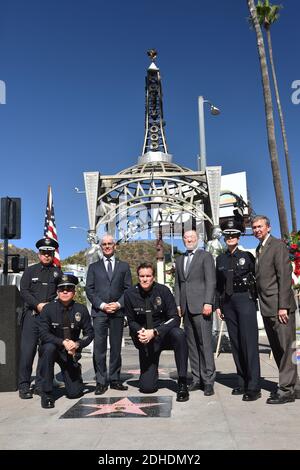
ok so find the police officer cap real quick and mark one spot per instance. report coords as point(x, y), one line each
point(47, 244)
point(230, 227)
point(67, 280)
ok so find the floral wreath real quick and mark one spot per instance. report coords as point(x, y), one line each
point(293, 244)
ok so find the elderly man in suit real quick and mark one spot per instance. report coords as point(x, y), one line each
point(277, 305)
point(195, 282)
point(107, 279)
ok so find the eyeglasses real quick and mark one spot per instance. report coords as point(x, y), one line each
point(66, 288)
point(107, 244)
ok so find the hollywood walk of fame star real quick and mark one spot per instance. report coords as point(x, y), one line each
point(137, 371)
point(124, 406)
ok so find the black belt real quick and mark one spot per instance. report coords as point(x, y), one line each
point(240, 288)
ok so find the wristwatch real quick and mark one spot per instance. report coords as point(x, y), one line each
point(155, 332)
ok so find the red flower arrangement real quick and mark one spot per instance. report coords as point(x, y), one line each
point(293, 244)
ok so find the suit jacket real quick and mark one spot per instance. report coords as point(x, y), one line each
point(273, 273)
point(100, 289)
point(198, 287)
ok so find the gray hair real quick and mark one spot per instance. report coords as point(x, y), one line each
point(261, 217)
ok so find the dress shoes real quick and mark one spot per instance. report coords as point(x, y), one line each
point(276, 399)
point(251, 395)
point(25, 394)
point(100, 389)
point(183, 393)
point(238, 391)
point(153, 390)
point(47, 401)
point(37, 391)
point(194, 386)
point(118, 386)
point(208, 390)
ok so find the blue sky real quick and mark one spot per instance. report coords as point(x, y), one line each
point(74, 74)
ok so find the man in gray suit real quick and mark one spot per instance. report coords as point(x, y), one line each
point(195, 282)
point(277, 305)
point(107, 279)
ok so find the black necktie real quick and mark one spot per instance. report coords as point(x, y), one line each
point(109, 268)
point(188, 262)
point(229, 278)
point(148, 311)
point(66, 324)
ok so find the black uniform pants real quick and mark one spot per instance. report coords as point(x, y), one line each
point(241, 320)
point(149, 357)
point(29, 343)
point(71, 370)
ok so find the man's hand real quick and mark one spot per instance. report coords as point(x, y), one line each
point(207, 310)
point(283, 315)
point(112, 307)
point(70, 346)
point(219, 313)
point(41, 306)
point(144, 336)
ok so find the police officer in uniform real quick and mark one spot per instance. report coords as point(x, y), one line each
point(154, 326)
point(62, 322)
point(38, 287)
point(236, 304)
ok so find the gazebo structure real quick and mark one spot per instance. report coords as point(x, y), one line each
point(155, 195)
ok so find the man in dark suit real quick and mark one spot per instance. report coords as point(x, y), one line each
point(107, 279)
point(277, 305)
point(195, 283)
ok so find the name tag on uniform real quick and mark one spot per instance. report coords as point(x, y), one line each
point(35, 279)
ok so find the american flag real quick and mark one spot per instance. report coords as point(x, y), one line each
point(50, 227)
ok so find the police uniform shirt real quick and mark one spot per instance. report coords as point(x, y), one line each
point(53, 322)
point(242, 263)
point(162, 303)
point(38, 284)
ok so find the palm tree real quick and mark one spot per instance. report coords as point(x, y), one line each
point(267, 15)
point(269, 121)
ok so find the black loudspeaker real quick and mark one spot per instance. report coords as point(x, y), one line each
point(10, 221)
point(11, 306)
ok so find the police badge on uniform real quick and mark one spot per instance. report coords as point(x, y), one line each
point(157, 301)
point(242, 261)
point(55, 274)
point(78, 316)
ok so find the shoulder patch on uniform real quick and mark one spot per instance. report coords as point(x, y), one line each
point(77, 316)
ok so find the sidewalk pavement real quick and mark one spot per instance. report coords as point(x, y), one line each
point(221, 421)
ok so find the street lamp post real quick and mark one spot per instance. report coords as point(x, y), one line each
point(214, 111)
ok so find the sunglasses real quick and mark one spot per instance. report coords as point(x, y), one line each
point(46, 252)
point(66, 288)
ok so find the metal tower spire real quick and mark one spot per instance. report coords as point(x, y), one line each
point(155, 145)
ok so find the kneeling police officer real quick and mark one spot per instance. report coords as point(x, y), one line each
point(236, 304)
point(154, 326)
point(62, 321)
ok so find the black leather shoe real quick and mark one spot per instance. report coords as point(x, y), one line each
point(182, 394)
point(238, 391)
point(276, 399)
point(251, 395)
point(25, 394)
point(47, 401)
point(100, 389)
point(208, 390)
point(118, 386)
point(154, 390)
point(37, 391)
point(194, 386)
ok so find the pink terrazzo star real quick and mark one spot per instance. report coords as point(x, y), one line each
point(124, 406)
